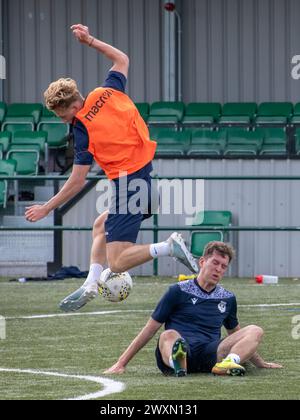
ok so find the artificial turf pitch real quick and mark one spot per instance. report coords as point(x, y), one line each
point(87, 344)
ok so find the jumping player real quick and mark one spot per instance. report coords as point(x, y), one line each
point(107, 127)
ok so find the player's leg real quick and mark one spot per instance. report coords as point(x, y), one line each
point(237, 349)
point(122, 256)
point(98, 256)
point(89, 289)
point(173, 350)
point(123, 225)
point(244, 343)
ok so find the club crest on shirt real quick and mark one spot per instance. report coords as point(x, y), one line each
point(222, 307)
point(194, 300)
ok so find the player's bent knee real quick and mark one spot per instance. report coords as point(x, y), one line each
point(117, 268)
point(256, 330)
point(169, 335)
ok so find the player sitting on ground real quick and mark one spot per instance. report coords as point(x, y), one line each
point(193, 313)
point(107, 127)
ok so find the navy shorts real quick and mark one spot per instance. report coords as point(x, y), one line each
point(135, 198)
point(201, 358)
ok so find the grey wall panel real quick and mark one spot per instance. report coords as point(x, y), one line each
point(233, 50)
point(240, 50)
point(252, 203)
point(41, 47)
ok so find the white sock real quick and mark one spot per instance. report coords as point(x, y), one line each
point(234, 358)
point(94, 274)
point(171, 363)
point(162, 249)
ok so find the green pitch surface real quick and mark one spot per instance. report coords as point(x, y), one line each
point(84, 345)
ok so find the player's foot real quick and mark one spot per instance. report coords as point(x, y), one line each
point(179, 357)
point(79, 298)
point(180, 252)
point(227, 367)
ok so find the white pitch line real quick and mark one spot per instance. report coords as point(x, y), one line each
point(76, 314)
point(45, 316)
point(269, 305)
point(110, 386)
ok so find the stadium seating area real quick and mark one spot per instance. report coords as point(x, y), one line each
point(28, 132)
point(234, 130)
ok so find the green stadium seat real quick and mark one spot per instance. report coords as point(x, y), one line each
point(27, 160)
point(295, 119)
point(19, 110)
point(243, 143)
point(48, 116)
point(170, 113)
point(238, 113)
point(3, 193)
point(273, 135)
point(274, 113)
point(5, 138)
point(207, 143)
point(213, 218)
point(201, 113)
point(144, 109)
point(271, 150)
point(1, 151)
point(199, 240)
point(156, 132)
point(241, 150)
point(297, 142)
point(57, 134)
point(8, 167)
point(38, 139)
point(275, 142)
point(173, 143)
point(31, 137)
point(2, 111)
point(15, 126)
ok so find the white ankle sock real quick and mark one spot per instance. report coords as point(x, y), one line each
point(94, 274)
point(234, 358)
point(162, 249)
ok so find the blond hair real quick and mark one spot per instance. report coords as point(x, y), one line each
point(61, 94)
point(221, 248)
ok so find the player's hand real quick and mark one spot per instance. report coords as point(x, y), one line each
point(267, 365)
point(117, 368)
point(35, 213)
point(81, 33)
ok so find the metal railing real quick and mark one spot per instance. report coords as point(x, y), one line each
point(156, 228)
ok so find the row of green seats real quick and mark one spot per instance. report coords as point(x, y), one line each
point(16, 118)
point(233, 113)
point(224, 142)
point(33, 113)
point(173, 113)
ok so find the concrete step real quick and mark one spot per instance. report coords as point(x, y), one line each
point(23, 269)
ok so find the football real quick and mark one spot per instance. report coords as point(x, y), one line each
point(114, 287)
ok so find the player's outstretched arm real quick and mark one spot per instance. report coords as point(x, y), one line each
point(259, 362)
point(120, 60)
point(72, 187)
point(137, 344)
